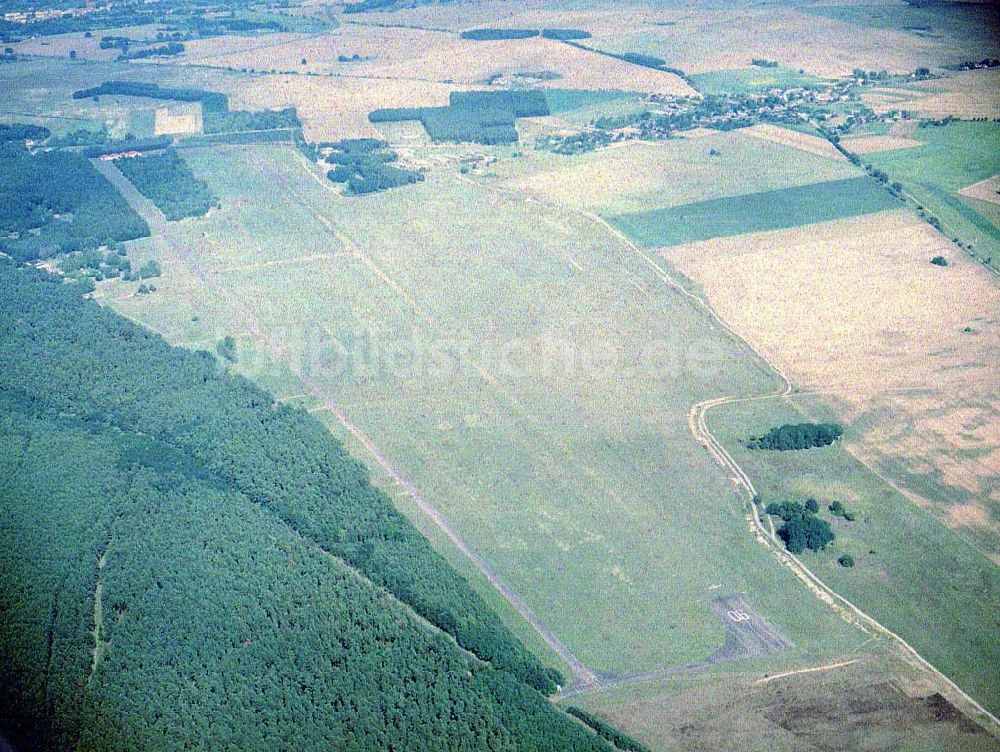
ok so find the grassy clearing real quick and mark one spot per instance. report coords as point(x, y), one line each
point(753, 79)
point(562, 100)
point(572, 474)
point(952, 158)
point(913, 574)
point(755, 212)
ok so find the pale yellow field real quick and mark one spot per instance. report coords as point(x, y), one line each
point(968, 94)
point(707, 40)
point(854, 310)
point(638, 175)
point(984, 190)
point(334, 108)
point(871, 144)
point(704, 40)
point(421, 55)
point(59, 45)
point(797, 140)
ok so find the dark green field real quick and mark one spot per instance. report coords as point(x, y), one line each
point(755, 212)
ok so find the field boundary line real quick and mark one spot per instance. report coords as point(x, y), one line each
point(813, 669)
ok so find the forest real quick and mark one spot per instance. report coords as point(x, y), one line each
point(363, 163)
point(188, 565)
point(798, 436)
point(485, 117)
point(54, 202)
point(167, 181)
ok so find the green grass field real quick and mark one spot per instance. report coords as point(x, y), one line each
point(953, 157)
point(752, 79)
point(917, 577)
point(755, 212)
point(557, 444)
point(563, 100)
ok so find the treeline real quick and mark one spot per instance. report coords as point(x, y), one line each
point(485, 117)
point(620, 740)
point(797, 436)
point(116, 146)
point(231, 121)
point(167, 181)
point(143, 473)
point(636, 58)
point(164, 50)
point(282, 459)
point(211, 101)
point(493, 34)
point(363, 163)
point(55, 202)
point(21, 132)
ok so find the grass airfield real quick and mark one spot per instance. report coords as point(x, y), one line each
point(573, 479)
point(532, 375)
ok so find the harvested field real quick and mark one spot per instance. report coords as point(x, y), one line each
point(984, 190)
point(795, 139)
point(703, 41)
point(967, 94)
point(870, 313)
point(639, 176)
point(870, 144)
point(422, 55)
point(854, 308)
point(335, 108)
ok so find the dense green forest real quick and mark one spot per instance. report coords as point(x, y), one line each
point(55, 202)
point(363, 163)
point(485, 117)
point(167, 181)
point(798, 436)
point(188, 565)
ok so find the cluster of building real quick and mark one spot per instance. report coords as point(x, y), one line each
point(33, 16)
